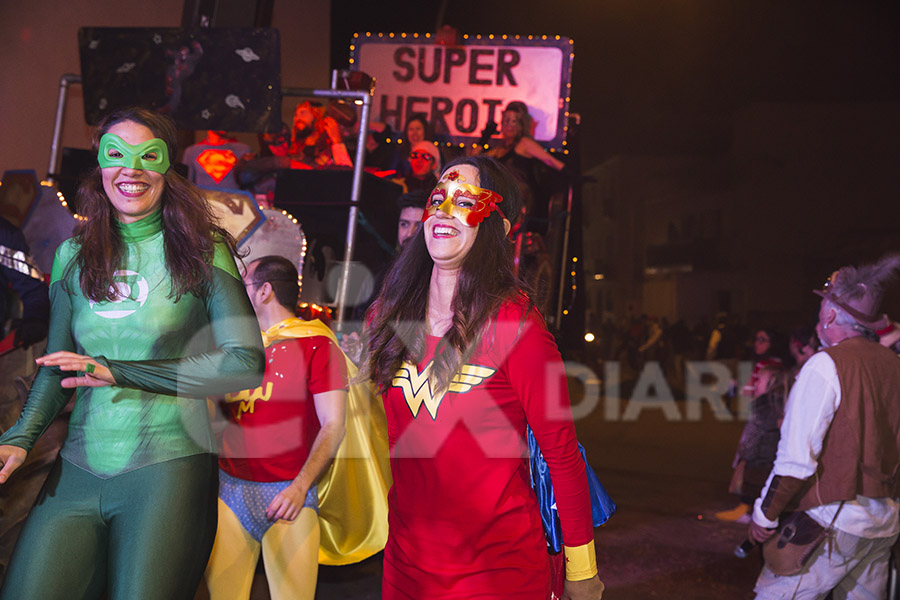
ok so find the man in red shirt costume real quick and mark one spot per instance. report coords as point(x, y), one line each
point(280, 438)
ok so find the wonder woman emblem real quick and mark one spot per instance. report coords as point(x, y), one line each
point(417, 390)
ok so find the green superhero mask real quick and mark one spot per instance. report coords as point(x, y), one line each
point(152, 155)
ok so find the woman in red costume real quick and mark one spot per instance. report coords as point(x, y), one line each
point(465, 362)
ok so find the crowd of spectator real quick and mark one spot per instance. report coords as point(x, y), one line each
point(634, 340)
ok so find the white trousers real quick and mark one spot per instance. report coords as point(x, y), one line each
point(854, 568)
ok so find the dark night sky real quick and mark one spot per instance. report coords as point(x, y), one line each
point(664, 77)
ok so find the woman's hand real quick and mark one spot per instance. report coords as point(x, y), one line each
point(12, 458)
point(589, 589)
point(95, 374)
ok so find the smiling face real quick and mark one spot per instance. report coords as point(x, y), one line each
point(415, 132)
point(421, 163)
point(511, 124)
point(449, 238)
point(133, 192)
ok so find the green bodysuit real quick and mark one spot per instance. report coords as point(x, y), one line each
point(166, 358)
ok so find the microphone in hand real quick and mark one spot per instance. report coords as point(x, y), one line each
point(743, 551)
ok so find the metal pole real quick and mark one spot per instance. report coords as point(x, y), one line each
point(64, 82)
point(439, 22)
point(350, 240)
point(313, 93)
point(563, 263)
point(565, 247)
point(354, 209)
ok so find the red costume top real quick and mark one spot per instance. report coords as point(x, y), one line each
point(270, 429)
point(463, 520)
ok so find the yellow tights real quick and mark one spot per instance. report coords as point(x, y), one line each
point(290, 552)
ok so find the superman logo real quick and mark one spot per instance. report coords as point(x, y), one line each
point(417, 390)
point(217, 163)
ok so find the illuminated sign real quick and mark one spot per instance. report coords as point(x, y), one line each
point(461, 88)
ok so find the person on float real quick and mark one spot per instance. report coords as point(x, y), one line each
point(416, 130)
point(216, 160)
point(148, 317)
point(525, 158)
point(316, 139)
point(425, 165)
point(518, 147)
point(464, 363)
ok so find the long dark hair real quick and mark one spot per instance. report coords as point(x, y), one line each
point(190, 229)
point(396, 330)
point(421, 118)
point(521, 110)
point(775, 350)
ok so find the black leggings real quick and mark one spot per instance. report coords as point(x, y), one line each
point(145, 534)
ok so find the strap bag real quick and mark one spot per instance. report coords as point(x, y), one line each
point(602, 508)
point(798, 537)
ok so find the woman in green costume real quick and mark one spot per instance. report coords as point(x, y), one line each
point(148, 317)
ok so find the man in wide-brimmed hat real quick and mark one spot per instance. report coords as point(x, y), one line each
point(839, 455)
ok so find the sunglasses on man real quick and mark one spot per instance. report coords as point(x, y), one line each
point(420, 156)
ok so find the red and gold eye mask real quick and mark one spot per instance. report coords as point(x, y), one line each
point(469, 203)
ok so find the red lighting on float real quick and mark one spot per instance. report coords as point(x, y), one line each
point(217, 163)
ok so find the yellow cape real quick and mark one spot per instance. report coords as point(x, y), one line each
point(353, 491)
